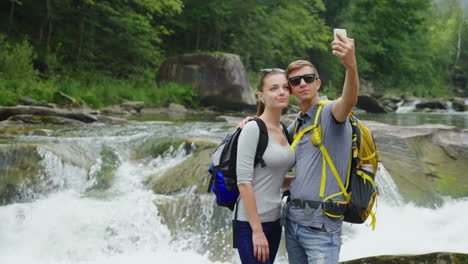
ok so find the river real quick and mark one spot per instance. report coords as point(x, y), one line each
point(67, 220)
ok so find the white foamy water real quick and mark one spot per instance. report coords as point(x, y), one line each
point(409, 229)
point(121, 224)
point(409, 107)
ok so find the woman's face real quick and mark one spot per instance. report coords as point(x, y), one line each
point(275, 91)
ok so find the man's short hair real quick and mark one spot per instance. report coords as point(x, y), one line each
point(300, 64)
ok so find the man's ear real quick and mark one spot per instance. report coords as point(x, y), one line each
point(260, 96)
point(318, 83)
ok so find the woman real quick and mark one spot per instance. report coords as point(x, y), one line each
point(258, 224)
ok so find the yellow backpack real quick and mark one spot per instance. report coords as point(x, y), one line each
point(359, 190)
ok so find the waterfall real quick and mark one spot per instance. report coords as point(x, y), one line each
point(77, 215)
point(387, 189)
point(71, 223)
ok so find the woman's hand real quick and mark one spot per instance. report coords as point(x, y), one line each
point(260, 244)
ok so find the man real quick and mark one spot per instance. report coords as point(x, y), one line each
point(312, 236)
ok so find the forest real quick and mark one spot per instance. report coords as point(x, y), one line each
point(103, 52)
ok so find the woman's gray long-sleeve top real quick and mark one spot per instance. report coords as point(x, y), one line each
point(267, 181)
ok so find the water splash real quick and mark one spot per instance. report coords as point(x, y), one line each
point(407, 107)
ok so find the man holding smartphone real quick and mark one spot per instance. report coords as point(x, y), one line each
point(312, 236)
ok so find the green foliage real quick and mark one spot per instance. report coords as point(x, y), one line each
point(175, 93)
point(104, 52)
point(17, 74)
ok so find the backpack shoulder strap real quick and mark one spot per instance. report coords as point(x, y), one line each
point(262, 142)
point(286, 132)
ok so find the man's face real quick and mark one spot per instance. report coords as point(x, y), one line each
point(306, 89)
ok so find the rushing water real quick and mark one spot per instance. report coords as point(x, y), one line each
point(70, 222)
point(457, 119)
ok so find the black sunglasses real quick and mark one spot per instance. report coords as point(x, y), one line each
point(265, 71)
point(308, 78)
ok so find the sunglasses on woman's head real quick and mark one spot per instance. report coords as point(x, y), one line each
point(265, 71)
point(308, 78)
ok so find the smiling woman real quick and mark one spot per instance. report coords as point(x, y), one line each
point(256, 218)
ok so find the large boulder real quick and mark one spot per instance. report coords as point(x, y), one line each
point(219, 79)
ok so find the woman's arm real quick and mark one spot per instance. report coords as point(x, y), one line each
point(246, 148)
point(260, 243)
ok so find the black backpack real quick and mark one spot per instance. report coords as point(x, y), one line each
point(223, 181)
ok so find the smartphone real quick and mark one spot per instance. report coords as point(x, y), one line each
point(339, 30)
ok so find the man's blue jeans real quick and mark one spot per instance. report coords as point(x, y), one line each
point(312, 246)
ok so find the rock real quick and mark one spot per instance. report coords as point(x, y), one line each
point(370, 104)
point(390, 102)
point(38, 119)
point(431, 258)
point(133, 105)
point(219, 79)
point(194, 217)
point(191, 172)
point(233, 120)
point(24, 100)
point(111, 120)
point(115, 110)
point(431, 105)
point(19, 167)
point(7, 112)
point(458, 104)
point(177, 108)
point(426, 162)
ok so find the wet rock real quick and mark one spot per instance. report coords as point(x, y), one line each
point(191, 172)
point(370, 104)
point(38, 119)
point(133, 105)
point(6, 112)
point(426, 161)
point(458, 104)
point(431, 258)
point(431, 105)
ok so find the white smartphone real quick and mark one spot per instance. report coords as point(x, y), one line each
point(339, 30)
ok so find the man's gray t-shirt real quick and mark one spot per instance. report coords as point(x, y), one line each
point(266, 181)
point(308, 177)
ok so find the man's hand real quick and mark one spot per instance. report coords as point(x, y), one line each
point(260, 244)
point(343, 47)
point(244, 121)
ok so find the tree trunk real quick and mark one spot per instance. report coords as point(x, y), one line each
point(80, 43)
point(49, 20)
point(197, 42)
point(460, 26)
point(12, 11)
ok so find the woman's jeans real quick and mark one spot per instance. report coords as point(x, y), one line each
point(312, 246)
point(272, 232)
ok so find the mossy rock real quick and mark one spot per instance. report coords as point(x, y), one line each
point(155, 147)
point(426, 162)
point(191, 172)
point(105, 176)
point(196, 218)
point(19, 167)
point(432, 258)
